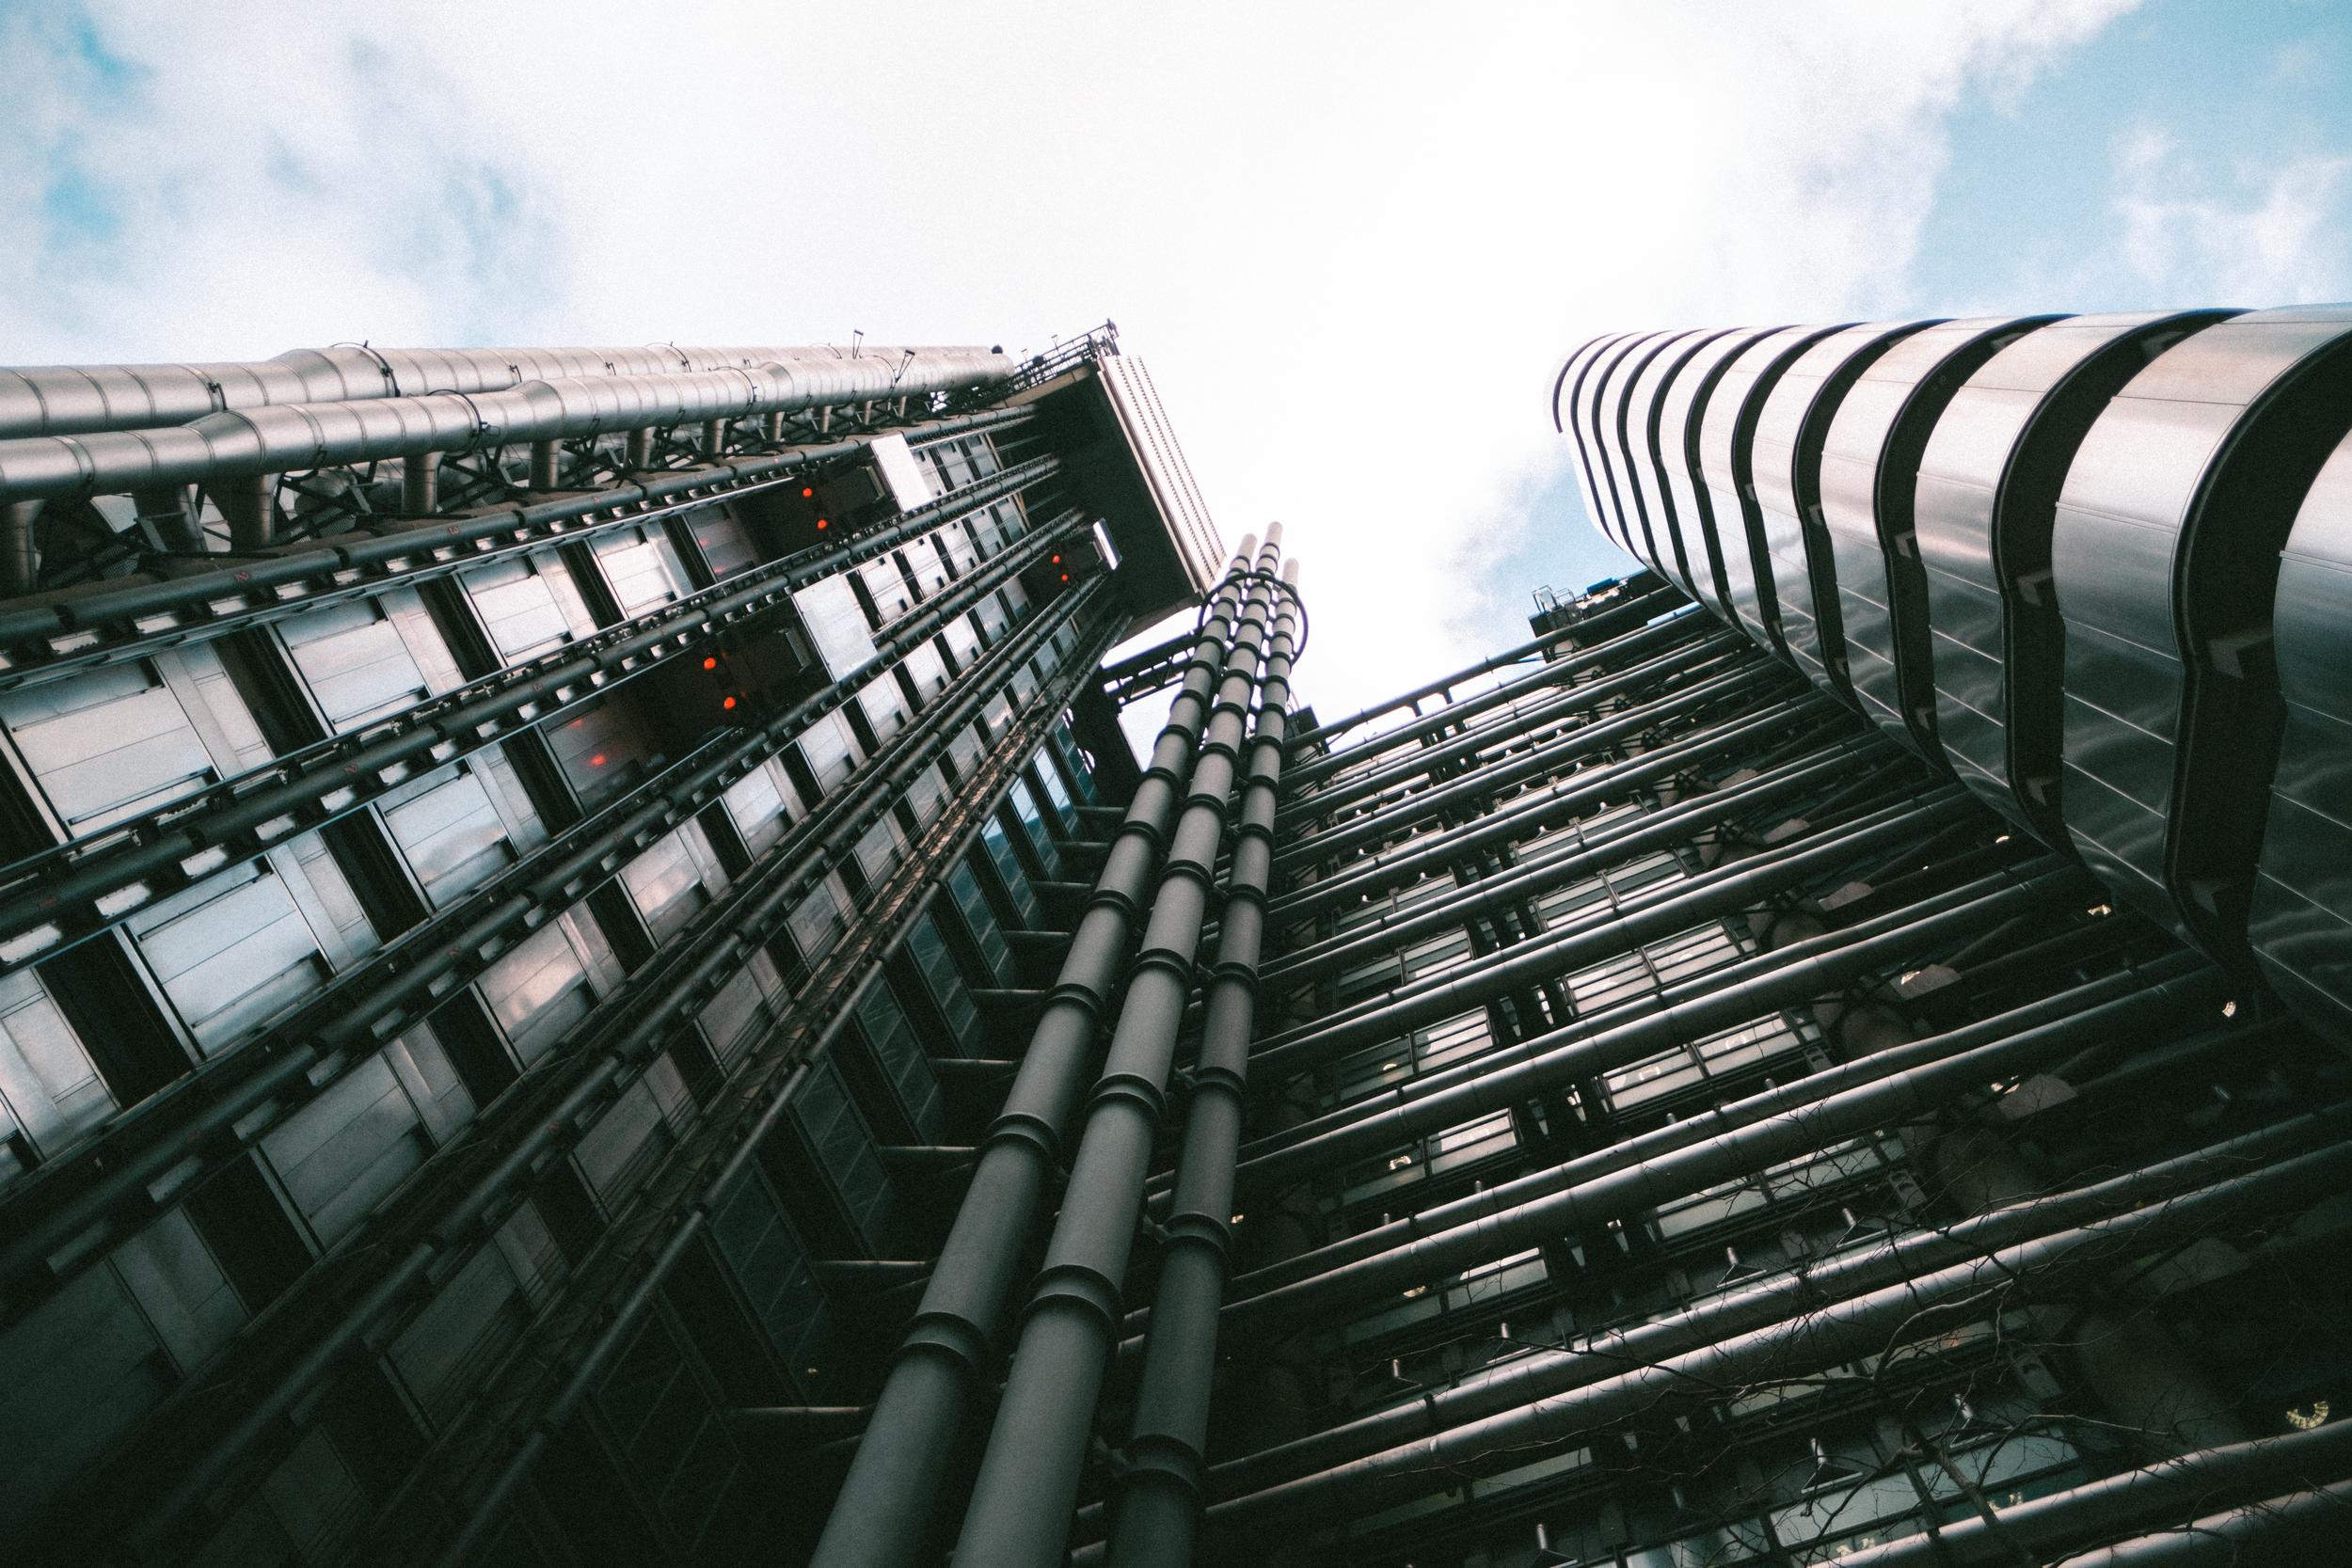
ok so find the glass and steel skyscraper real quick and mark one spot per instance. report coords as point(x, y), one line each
point(591, 979)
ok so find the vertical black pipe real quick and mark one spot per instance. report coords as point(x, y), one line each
point(1028, 1486)
point(883, 1512)
point(1158, 1504)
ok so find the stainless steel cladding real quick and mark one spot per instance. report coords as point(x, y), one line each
point(1726, 458)
point(1869, 475)
point(2301, 921)
point(1787, 460)
point(2165, 561)
point(2092, 566)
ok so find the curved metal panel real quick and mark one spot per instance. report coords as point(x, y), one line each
point(1645, 400)
point(1868, 477)
point(1565, 393)
point(2164, 558)
point(1787, 459)
point(1982, 510)
point(1726, 436)
point(1629, 452)
point(1681, 415)
point(2300, 922)
point(1596, 410)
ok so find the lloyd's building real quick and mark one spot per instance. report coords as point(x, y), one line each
point(588, 976)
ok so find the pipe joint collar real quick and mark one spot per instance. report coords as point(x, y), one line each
point(942, 1334)
point(1133, 1088)
point(1155, 1458)
point(1077, 1287)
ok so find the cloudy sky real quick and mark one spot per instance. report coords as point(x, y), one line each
point(1353, 241)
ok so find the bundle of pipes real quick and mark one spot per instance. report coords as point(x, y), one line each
point(1021, 1505)
point(73, 432)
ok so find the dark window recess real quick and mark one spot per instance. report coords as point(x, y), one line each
point(117, 1016)
point(593, 1503)
point(701, 1292)
point(899, 1054)
point(983, 925)
point(475, 1046)
point(371, 1430)
point(840, 1194)
point(1032, 818)
point(771, 1269)
point(249, 1232)
point(928, 968)
point(1005, 857)
point(665, 1430)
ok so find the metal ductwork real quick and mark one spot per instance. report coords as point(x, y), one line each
point(75, 399)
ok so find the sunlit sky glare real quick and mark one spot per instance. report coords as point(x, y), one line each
point(1352, 241)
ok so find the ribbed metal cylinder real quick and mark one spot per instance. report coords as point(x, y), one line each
point(1022, 1501)
point(883, 1512)
point(1160, 1493)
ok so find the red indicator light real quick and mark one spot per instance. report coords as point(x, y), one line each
point(710, 662)
point(596, 761)
point(729, 703)
point(1065, 576)
point(821, 522)
point(808, 490)
point(1058, 561)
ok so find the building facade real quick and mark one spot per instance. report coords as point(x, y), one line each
point(1768, 1071)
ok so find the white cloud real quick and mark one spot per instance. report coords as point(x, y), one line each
point(2271, 234)
point(1354, 240)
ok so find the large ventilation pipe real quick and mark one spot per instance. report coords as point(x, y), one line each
point(883, 1512)
point(1020, 1512)
point(73, 400)
point(1160, 1491)
point(302, 436)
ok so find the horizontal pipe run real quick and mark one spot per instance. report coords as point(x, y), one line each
point(1690, 1011)
point(1616, 928)
point(1708, 654)
point(73, 400)
point(2144, 1498)
point(1607, 657)
point(1886, 1261)
point(1474, 792)
point(2078, 1008)
point(1664, 598)
point(1504, 1227)
point(273, 439)
point(1823, 1334)
point(1555, 865)
point(1517, 819)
